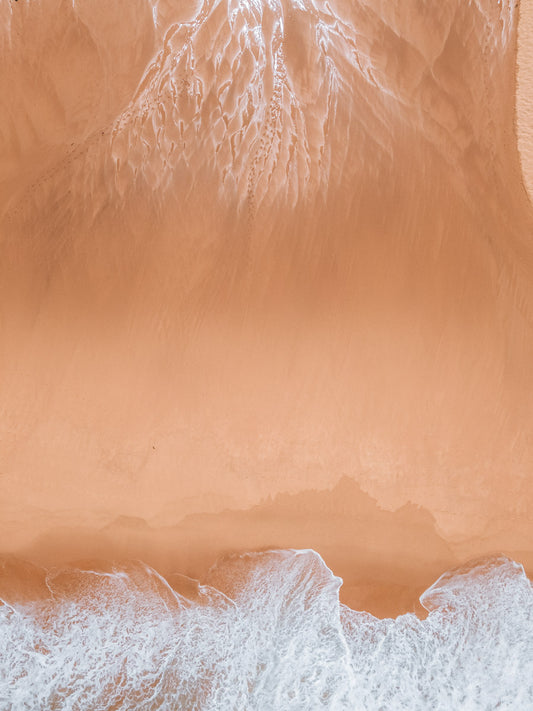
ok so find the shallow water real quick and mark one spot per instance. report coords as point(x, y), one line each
point(266, 632)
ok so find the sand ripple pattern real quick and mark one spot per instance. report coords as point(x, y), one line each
point(222, 92)
point(277, 99)
point(252, 101)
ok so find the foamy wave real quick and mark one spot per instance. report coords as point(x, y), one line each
point(267, 632)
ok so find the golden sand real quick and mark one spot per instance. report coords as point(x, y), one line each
point(266, 280)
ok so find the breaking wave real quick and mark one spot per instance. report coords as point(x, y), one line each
point(266, 631)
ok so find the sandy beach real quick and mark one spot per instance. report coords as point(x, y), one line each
point(262, 290)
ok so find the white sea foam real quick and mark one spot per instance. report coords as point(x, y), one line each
point(267, 633)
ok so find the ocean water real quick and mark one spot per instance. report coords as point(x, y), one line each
point(266, 633)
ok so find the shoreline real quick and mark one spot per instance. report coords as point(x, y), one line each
point(24, 582)
point(385, 558)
